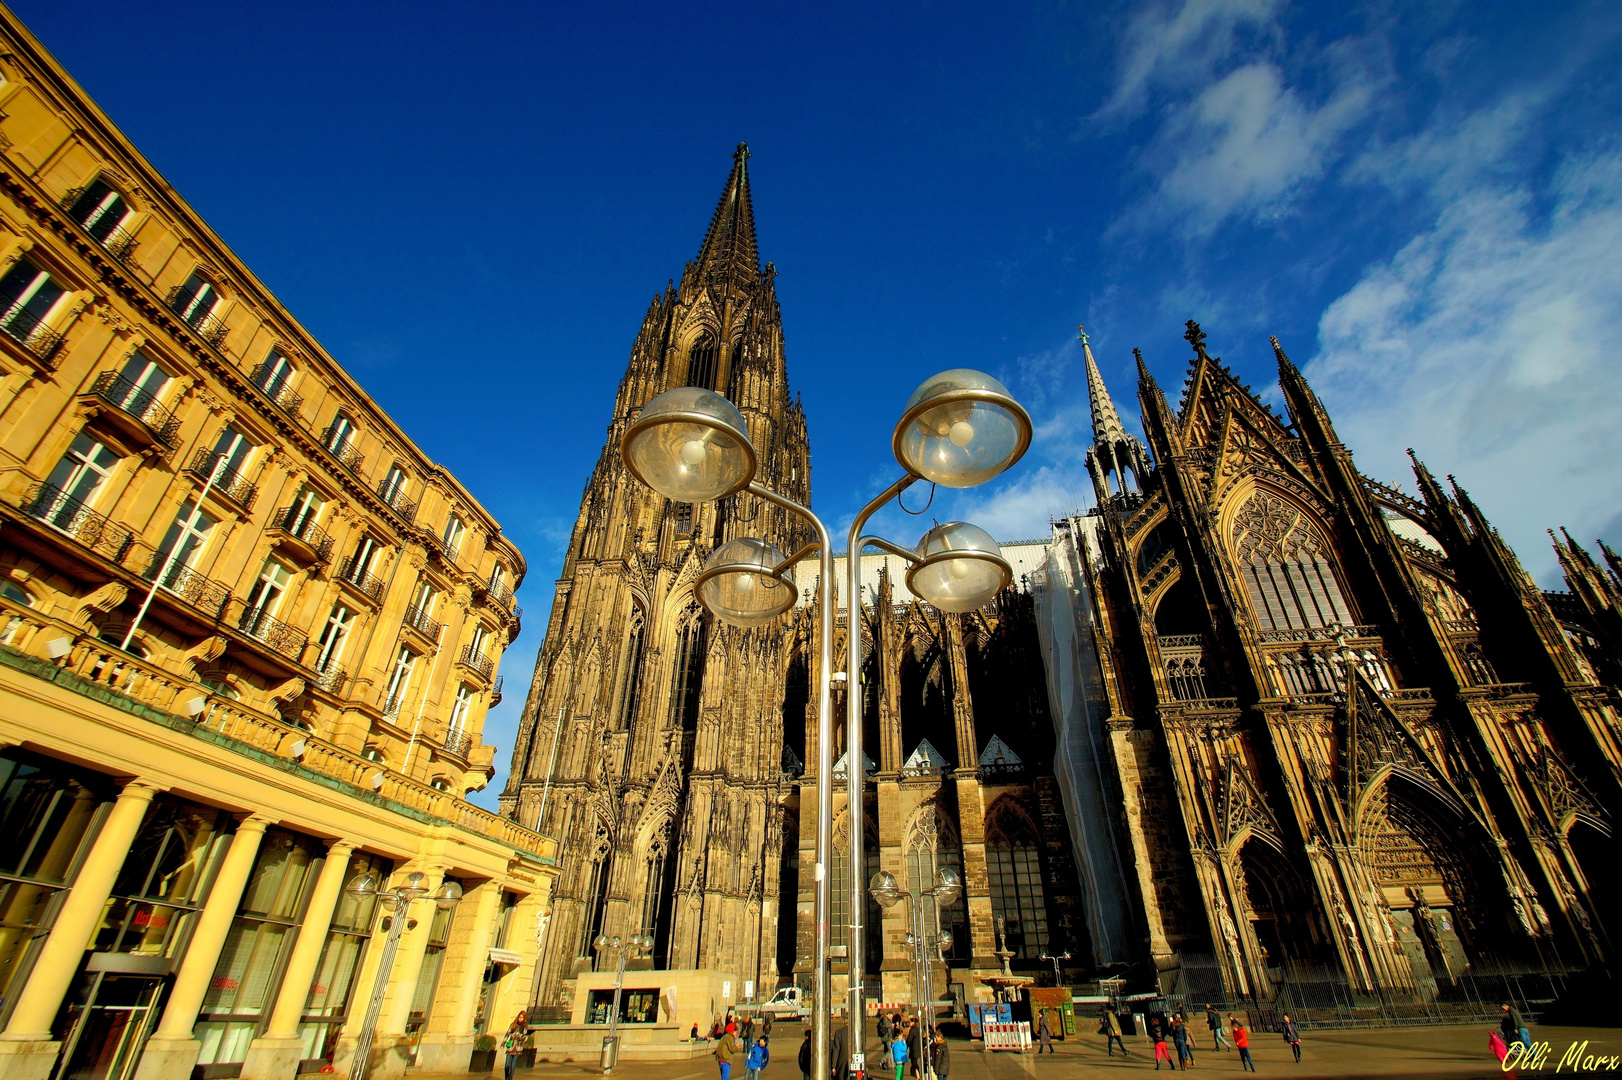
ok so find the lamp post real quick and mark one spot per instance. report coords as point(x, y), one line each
point(960, 429)
point(397, 902)
point(1055, 961)
point(621, 950)
point(948, 887)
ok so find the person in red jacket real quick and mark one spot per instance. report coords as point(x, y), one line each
point(1241, 1042)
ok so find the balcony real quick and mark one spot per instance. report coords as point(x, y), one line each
point(358, 580)
point(476, 662)
point(228, 482)
point(51, 505)
point(203, 593)
point(106, 230)
point(299, 537)
point(205, 323)
point(42, 343)
point(331, 679)
point(501, 596)
point(343, 449)
point(394, 496)
point(458, 743)
point(280, 395)
point(136, 411)
point(272, 632)
point(495, 690)
point(417, 619)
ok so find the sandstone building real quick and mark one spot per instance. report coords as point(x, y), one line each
point(248, 636)
point(1256, 726)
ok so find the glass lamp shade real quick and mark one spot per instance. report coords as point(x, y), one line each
point(600, 942)
point(361, 887)
point(948, 888)
point(883, 888)
point(416, 884)
point(448, 895)
point(737, 585)
point(691, 445)
point(961, 428)
point(960, 567)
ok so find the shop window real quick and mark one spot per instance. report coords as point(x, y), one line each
point(334, 985)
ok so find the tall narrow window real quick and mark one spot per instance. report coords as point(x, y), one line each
point(274, 374)
point(1285, 562)
point(393, 485)
point(1014, 871)
point(420, 614)
point(100, 209)
point(265, 598)
point(185, 540)
point(596, 900)
point(477, 640)
point(334, 635)
point(76, 480)
point(196, 300)
point(360, 563)
point(399, 681)
point(631, 670)
point(305, 512)
point(460, 709)
point(498, 580)
point(684, 519)
point(453, 535)
point(27, 295)
point(702, 364)
point(689, 674)
point(139, 386)
point(931, 849)
point(232, 451)
point(433, 959)
point(340, 433)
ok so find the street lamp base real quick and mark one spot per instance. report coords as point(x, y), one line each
point(611, 1054)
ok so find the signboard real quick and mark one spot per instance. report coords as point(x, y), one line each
point(749, 989)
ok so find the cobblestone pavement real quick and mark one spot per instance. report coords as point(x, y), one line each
point(1379, 1052)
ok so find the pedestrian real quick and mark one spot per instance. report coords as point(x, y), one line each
point(749, 1031)
point(727, 1052)
point(693, 1037)
point(1157, 1034)
point(898, 1054)
point(766, 1027)
point(1514, 1028)
point(805, 1056)
point(513, 1043)
point(1213, 1020)
point(759, 1058)
point(1043, 1033)
point(1241, 1040)
point(943, 1057)
point(1181, 1040)
point(839, 1054)
point(885, 1028)
point(915, 1035)
point(1112, 1028)
point(1495, 1043)
point(1292, 1036)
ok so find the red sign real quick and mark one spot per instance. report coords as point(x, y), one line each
point(223, 982)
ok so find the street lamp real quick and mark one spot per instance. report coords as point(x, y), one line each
point(948, 888)
point(622, 950)
point(1055, 961)
point(960, 428)
point(396, 901)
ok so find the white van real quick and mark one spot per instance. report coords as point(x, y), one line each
point(789, 1001)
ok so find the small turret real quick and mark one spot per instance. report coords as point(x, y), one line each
point(1114, 452)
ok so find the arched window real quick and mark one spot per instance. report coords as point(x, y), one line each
point(703, 363)
point(839, 886)
point(596, 902)
point(1186, 675)
point(631, 670)
point(1285, 563)
point(1014, 870)
point(930, 848)
point(689, 674)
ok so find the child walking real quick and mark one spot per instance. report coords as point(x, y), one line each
point(898, 1053)
point(758, 1058)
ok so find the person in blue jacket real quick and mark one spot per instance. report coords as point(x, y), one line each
point(758, 1058)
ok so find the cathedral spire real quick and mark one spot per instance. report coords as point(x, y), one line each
point(1106, 421)
point(729, 246)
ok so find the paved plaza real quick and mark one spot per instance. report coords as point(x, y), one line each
point(1454, 1051)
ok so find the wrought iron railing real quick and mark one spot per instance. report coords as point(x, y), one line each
point(280, 396)
point(369, 584)
point(1207, 704)
point(500, 595)
point(417, 618)
point(1181, 641)
point(227, 481)
point(495, 690)
point(204, 320)
point(142, 404)
point(476, 661)
point(260, 624)
point(106, 230)
point(342, 447)
point(299, 523)
point(54, 507)
point(330, 679)
point(1001, 770)
point(1318, 633)
point(394, 496)
point(29, 331)
point(458, 743)
point(203, 593)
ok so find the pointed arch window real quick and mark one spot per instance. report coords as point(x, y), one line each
point(1284, 560)
point(703, 363)
point(931, 848)
point(631, 669)
point(1014, 871)
point(596, 902)
point(689, 674)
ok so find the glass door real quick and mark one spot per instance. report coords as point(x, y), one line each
point(108, 1032)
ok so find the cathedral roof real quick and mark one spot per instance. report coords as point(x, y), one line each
point(925, 756)
point(998, 752)
point(729, 246)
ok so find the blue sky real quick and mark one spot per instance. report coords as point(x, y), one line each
point(472, 207)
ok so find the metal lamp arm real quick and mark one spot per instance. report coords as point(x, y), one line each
point(803, 553)
point(894, 549)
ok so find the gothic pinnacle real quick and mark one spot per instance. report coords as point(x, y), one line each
point(1195, 337)
point(1107, 427)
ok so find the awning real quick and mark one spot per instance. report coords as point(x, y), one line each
point(505, 957)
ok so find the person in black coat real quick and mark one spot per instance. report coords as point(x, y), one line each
point(915, 1038)
point(805, 1056)
point(839, 1054)
point(941, 1057)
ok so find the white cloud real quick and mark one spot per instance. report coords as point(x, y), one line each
point(1488, 344)
point(1175, 45)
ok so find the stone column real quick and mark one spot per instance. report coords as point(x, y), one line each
point(275, 1054)
point(448, 1043)
point(27, 1051)
point(172, 1051)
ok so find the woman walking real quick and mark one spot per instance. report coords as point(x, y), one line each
point(1112, 1028)
point(1213, 1020)
point(1241, 1040)
point(1184, 1044)
point(1044, 1033)
point(1292, 1036)
point(513, 1043)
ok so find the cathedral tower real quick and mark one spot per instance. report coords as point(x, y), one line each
point(651, 741)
